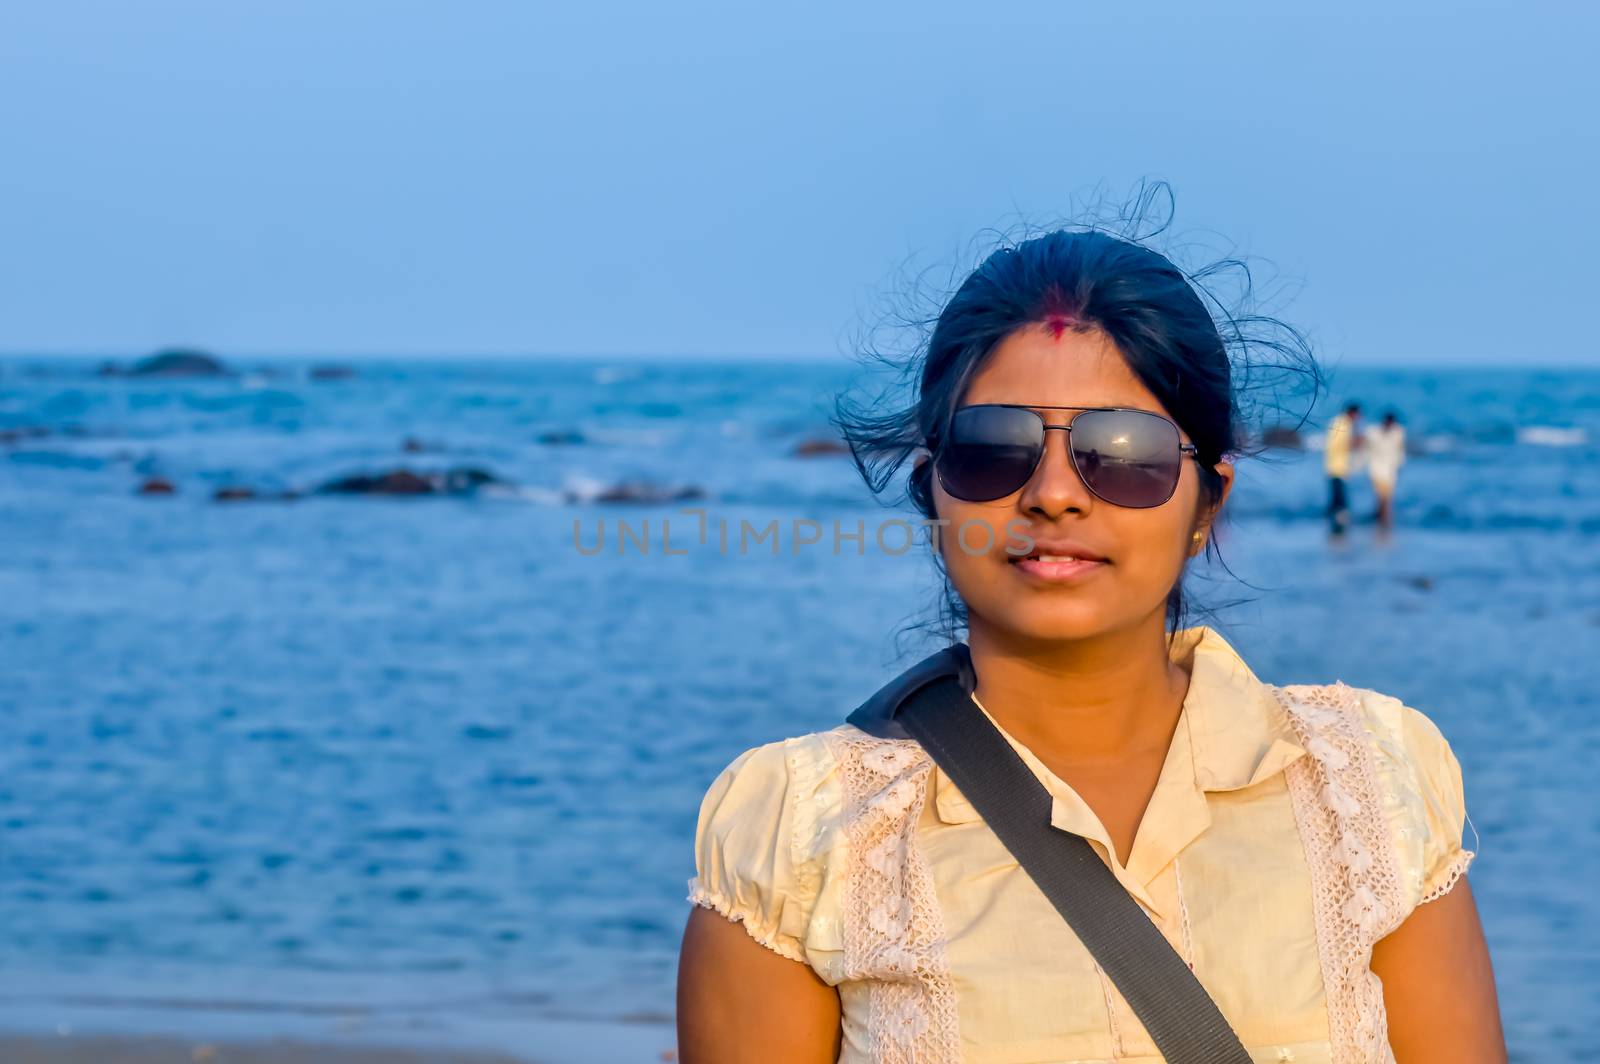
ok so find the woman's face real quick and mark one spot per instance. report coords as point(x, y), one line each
point(1143, 550)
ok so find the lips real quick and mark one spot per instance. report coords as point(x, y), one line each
point(1059, 561)
point(1057, 549)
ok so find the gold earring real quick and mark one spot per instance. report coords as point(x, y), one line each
point(1199, 539)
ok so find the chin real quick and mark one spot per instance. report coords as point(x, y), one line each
point(1051, 622)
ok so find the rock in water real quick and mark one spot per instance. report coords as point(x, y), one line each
point(176, 362)
point(25, 432)
point(459, 481)
point(245, 493)
point(465, 479)
point(637, 491)
point(820, 446)
point(1282, 436)
point(394, 482)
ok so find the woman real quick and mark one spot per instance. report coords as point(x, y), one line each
point(1294, 845)
point(1386, 453)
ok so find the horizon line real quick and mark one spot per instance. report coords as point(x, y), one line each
point(720, 358)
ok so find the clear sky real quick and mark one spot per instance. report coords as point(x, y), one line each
point(491, 177)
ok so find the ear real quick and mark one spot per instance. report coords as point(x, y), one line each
point(1207, 515)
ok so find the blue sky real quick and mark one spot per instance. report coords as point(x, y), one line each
point(497, 178)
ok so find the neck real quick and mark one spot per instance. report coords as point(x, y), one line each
point(1090, 702)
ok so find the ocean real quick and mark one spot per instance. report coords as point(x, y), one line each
point(433, 761)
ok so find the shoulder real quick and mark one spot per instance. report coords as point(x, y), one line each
point(1412, 772)
point(1410, 752)
point(1399, 737)
point(1427, 793)
point(777, 784)
point(766, 829)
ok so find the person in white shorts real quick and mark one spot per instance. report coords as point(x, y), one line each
point(1386, 453)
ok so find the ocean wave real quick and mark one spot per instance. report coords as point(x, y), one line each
point(614, 375)
point(1552, 436)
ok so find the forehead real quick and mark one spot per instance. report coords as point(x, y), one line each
point(1033, 367)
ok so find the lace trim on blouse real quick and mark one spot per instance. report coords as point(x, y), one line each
point(1355, 877)
point(894, 934)
point(1456, 869)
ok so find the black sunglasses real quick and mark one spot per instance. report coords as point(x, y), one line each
point(1126, 457)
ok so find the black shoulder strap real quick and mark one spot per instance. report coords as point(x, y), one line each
point(1185, 1023)
point(877, 715)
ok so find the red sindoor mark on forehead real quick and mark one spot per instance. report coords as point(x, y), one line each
point(1058, 324)
point(1060, 312)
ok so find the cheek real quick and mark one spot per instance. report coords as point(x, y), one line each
point(1154, 549)
point(1156, 541)
point(974, 538)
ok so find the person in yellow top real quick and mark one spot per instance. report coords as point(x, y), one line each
point(1298, 847)
point(1342, 439)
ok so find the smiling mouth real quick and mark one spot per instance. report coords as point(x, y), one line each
point(1056, 568)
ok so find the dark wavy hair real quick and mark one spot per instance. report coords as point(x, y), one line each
point(1208, 364)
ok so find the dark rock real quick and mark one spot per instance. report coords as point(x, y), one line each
point(634, 491)
point(24, 432)
point(1421, 583)
point(245, 493)
point(459, 481)
point(332, 373)
point(177, 363)
point(1284, 436)
point(560, 437)
point(158, 486)
point(465, 479)
point(395, 482)
point(820, 446)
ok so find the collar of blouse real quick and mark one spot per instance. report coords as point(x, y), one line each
point(1231, 734)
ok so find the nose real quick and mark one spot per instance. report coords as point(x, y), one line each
point(1055, 487)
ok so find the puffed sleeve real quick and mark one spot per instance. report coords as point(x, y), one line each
point(1424, 798)
point(755, 861)
point(1444, 809)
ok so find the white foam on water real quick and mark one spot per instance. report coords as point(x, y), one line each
point(1552, 436)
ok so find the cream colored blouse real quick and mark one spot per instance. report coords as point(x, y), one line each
point(1291, 827)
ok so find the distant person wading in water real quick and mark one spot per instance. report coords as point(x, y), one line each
point(1280, 849)
point(1341, 440)
point(1386, 453)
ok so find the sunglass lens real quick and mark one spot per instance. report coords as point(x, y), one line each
point(1126, 457)
point(991, 452)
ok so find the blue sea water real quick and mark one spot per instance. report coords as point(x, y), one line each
point(394, 757)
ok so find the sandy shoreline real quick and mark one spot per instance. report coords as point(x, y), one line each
point(165, 1039)
point(101, 1049)
point(151, 1049)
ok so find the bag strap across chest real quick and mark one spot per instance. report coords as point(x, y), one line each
point(1180, 1016)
